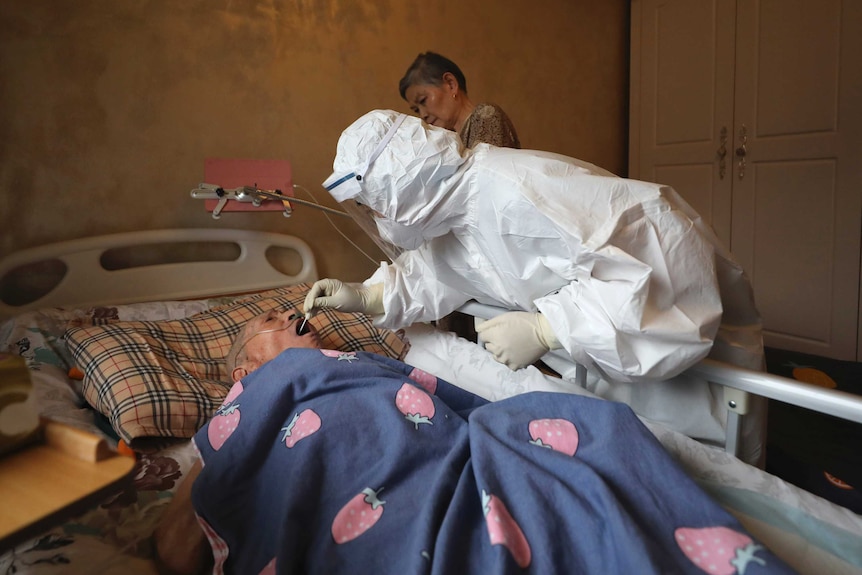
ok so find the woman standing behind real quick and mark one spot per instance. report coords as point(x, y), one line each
point(436, 90)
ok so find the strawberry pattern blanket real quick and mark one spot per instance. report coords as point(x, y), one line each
point(329, 462)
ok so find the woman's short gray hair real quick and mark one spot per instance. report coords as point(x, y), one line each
point(428, 68)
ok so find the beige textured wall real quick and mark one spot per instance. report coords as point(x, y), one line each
point(108, 108)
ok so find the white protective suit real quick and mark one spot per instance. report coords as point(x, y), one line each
point(633, 283)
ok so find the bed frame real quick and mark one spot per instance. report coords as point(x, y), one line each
point(89, 283)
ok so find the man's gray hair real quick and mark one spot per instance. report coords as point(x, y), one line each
point(236, 356)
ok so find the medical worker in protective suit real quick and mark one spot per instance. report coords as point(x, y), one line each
point(620, 276)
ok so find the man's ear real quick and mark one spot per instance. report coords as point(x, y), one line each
point(239, 372)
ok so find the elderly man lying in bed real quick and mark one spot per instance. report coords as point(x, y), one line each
point(321, 461)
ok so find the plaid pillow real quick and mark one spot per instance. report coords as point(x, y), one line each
point(165, 379)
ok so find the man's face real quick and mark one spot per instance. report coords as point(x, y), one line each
point(268, 334)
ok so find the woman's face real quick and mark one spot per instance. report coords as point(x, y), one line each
point(436, 105)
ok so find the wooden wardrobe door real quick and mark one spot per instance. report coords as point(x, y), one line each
point(782, 81)
point(797, 200)
point(682, 98)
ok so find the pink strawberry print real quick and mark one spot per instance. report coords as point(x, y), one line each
point(235, 390)
point(347, 356)
point(424, 379)
point(416, 405)
point(301, 426)
point(557, 434)
point(718, 550)
point(223, 424)
point(269, 568)
point(358, 516)
point(504, 530)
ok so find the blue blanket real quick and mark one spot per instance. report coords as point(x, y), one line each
point(327, 462)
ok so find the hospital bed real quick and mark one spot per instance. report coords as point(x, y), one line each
point(809, 533)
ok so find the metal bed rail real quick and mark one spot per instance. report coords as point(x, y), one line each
point(738, 382)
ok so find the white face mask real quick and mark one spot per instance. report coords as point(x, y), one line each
point(405, 237)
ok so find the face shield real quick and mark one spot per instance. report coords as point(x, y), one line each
point(346, 187)
point(367, 219)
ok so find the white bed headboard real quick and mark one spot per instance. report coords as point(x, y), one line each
point(86, 282)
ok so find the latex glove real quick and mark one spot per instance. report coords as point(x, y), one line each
point(518, 338)
point(348, 297)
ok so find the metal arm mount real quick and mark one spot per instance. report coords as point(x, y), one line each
point(244, 194)
point(253, 195)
